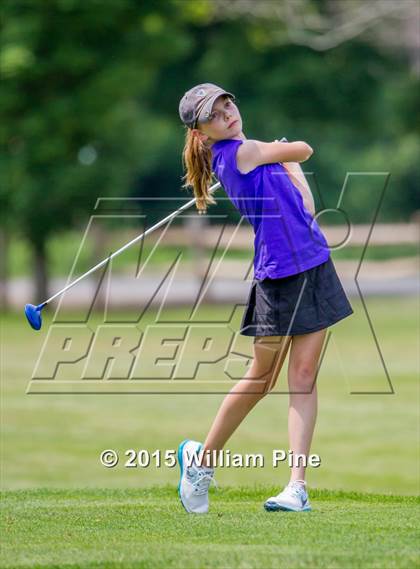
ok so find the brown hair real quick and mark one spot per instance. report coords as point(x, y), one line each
point(197, 162)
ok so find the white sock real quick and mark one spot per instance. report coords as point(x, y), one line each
point(301, 482)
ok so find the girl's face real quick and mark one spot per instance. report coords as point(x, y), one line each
point(224, 122)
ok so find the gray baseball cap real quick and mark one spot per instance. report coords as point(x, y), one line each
point(197, 103)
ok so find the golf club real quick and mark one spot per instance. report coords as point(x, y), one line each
point(33, 313)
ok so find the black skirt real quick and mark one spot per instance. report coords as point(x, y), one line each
point(299, 304)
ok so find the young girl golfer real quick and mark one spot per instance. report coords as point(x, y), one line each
point(295, 294)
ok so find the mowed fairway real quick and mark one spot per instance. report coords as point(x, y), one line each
point(61, 507)
point(145, 528)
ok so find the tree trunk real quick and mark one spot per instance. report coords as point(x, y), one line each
point(196, 228)
point(4, 257)
point(99, 238)
point(39, 250)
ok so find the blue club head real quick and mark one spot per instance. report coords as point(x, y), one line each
point(33, 314)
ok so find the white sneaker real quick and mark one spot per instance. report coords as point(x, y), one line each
point(195, 480)
point(294, 498)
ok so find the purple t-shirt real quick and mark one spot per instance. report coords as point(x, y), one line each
point(287, 238)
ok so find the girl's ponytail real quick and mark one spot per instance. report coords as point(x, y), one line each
point(197, 162)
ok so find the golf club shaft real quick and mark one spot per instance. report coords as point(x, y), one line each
point(212, 189)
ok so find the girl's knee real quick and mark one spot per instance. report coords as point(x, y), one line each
point(269, 355)
point(302, 378)
point(262, 381)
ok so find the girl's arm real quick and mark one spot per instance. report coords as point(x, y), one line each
point(297, 177)
point(254, 152)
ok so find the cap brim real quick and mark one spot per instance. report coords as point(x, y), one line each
point(208, 106)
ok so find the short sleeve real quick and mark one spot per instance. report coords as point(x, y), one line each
point(234, 165)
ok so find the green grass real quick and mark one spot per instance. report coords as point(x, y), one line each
point(148, 528)
point(366, 442)
point(61, 508)
point(377, 252)
point(62, 251)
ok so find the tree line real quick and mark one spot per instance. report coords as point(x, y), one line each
point(90, 93)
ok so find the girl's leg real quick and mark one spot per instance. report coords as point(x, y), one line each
point(302, 372)
point(269, 355)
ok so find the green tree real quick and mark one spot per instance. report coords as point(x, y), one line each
point(90, 93)
point(77, 116)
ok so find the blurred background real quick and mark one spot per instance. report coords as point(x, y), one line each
point(92, 146)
